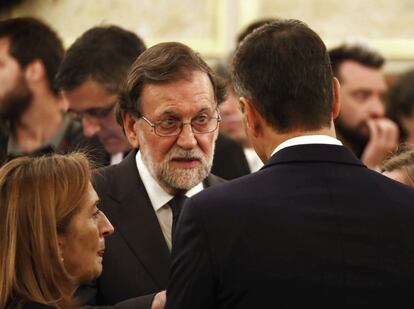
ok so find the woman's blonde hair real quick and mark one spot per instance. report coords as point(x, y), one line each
point(402, 161)
point(38, 198)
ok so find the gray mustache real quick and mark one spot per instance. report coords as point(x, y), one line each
point(185, 154)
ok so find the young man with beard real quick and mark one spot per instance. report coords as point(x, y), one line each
point(362, 125)
point(169, 109)
point(30, 106)
point(90, 77)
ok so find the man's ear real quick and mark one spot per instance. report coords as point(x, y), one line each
point(253, 120)
point(336, 104)
point(131, 129)
point(35, 72)
point(405, 121)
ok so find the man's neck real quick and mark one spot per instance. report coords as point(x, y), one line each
point(39, 123)
point(272, 139)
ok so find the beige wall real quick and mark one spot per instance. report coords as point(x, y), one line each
point(210, 26)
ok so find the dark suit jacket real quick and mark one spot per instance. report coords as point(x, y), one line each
point(313, 228)
point(229, 159)
point(136, 257)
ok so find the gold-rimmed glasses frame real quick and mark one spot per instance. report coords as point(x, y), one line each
point(211, 126)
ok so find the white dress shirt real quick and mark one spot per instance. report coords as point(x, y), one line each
point(159, 198)
point(253, 159)
point(308, 139)
point(116, 158)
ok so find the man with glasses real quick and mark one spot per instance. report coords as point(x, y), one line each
point(169, 109)
point(90, 78)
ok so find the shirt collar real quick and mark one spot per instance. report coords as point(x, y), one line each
point(308, 139)
point(156, 193)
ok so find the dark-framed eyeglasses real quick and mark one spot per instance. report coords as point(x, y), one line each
point(94, 112)
point(171, 126)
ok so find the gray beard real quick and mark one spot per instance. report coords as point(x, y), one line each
point(177, 180)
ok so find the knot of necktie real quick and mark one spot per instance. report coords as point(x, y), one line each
point(176, 205)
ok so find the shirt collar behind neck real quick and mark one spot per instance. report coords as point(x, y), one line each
point(308, 139)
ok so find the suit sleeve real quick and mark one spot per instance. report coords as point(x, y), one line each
point(86, 295)
point(141, 302)
point(191, 284)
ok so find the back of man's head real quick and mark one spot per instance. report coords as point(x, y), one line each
point(284, 69)
point(161, 64)
point(253, 26)
point(103, 54)
point(359, 53)
point(30, 40)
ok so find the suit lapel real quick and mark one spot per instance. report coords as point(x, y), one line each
point(134, 218)
point(212, 180)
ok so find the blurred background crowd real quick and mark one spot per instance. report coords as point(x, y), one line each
point(372, 56)
point(64, 63)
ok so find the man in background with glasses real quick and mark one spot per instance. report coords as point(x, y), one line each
point(90, 78)
point(169, 109)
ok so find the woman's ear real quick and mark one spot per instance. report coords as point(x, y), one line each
point(131, 129)
point(60, 247)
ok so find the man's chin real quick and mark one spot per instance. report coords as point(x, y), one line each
point(184, 178)
point(357, 138)
point(113, 145)
point(13, 109)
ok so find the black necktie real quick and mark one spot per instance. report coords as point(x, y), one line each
point(176, 204)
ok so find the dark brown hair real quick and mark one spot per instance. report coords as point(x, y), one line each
point(103, 54)
point(284, 68)
point(32, 39)
point(359, 53)
point(400, 101)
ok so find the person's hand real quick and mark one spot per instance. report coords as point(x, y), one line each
point(383, 139)
point(159, 300)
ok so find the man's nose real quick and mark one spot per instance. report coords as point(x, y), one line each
point(90, 126)
point(377, 107)
point(186, 139)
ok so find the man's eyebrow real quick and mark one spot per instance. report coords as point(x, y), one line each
point(88, 110)
point(173, 112)
point(362, 90)
point(205, 109)
point(71, 110)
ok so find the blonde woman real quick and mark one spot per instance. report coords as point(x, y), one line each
point(51, 231)
point(400, 166)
